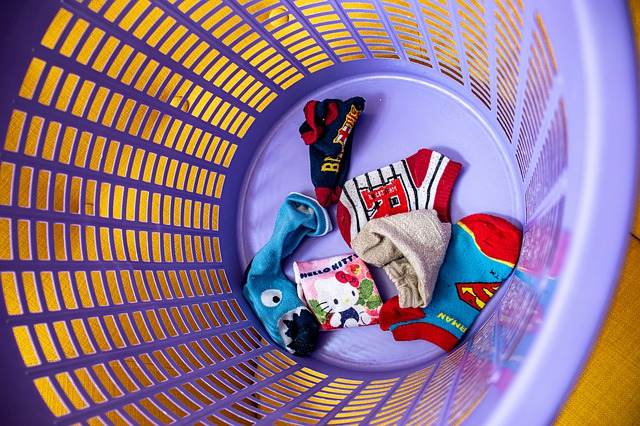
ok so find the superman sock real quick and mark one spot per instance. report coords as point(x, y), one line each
point(422, 181)
point(328, 130)
point(272, 296)
point(482, 253)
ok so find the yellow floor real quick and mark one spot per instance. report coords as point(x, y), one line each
point(608, 392)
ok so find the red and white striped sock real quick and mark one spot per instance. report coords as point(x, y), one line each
point(422, 181)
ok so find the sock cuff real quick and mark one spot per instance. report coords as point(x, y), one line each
point(324, 221)
point(327, 196)
point(310, 131)
point(442, 203)
point(425, 331)
point(344, 220)
point(391, 313)
point(408, 297)
point(412, 293)
point(495, 237)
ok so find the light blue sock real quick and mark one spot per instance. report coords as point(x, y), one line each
point(271, 295)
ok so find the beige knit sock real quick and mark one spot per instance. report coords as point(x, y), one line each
point(411, 247)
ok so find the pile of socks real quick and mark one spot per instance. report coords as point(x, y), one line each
point(396, 218)
point(482, 252)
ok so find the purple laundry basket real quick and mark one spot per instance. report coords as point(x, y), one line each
point(146, 146)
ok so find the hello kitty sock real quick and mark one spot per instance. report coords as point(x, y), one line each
point(482, 253)
point(339, 290)
point(271, 295)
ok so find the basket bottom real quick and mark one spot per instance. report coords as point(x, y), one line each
point(401, 115)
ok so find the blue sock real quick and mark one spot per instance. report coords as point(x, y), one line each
point(271, 295)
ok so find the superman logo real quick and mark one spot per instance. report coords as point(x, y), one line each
point(476, 294)
point(385, 200)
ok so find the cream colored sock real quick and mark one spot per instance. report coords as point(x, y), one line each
point(410, 247)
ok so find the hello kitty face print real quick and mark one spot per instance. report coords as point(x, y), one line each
point(338, 299)
point(339, 291)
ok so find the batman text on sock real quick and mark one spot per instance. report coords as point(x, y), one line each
point(333, 164)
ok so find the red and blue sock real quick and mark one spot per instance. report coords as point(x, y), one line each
point(328, 130)
point(482, 252)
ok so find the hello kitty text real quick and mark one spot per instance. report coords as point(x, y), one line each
point(341, 263)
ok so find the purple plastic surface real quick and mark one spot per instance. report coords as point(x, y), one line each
point(555, 153)
point(401, 116)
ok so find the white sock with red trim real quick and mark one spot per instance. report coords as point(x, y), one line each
point(422, 181)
